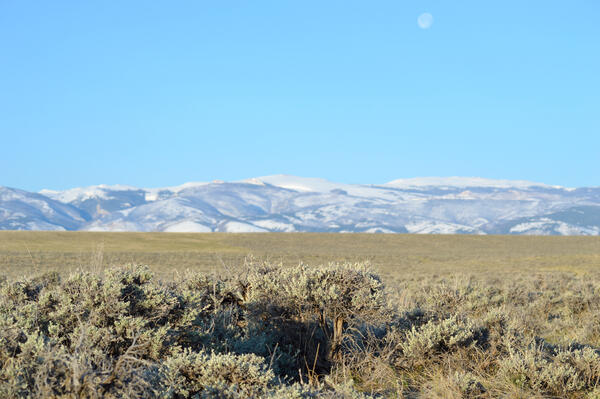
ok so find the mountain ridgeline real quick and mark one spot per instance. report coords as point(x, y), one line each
point(288, 203)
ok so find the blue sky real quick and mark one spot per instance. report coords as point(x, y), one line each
point(160, 93)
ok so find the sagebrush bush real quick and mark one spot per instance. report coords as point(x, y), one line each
point(191, 374)
point(426, 343)
point(336, 296)
point(556, 371)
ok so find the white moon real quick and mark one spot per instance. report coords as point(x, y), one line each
point(425, 20)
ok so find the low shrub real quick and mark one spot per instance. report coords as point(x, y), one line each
point(301, 332)
point(187, 374)
point(333, 297)
point(543, 368)
point(424, 344)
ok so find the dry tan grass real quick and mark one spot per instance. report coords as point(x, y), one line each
point(394, 256)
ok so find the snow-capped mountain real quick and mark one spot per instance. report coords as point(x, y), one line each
point(22, 210)
point(290, 203)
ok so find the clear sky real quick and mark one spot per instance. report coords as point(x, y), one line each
point(153, 93)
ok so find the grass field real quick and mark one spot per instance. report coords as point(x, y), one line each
point(24, 253)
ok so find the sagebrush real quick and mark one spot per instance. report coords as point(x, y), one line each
point(298, 332)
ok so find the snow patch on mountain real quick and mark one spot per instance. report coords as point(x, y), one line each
point(273, 225)
point(546, 226)
point(80, 194)
point(323, 186)
point(239, 227)
point(306, 184)
point(187, 227)
point(436, 227)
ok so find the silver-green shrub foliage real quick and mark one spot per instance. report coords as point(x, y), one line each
point(301, 332)
point(189, 373)
point(335, 296)
point(434, 338)
point(126, 335)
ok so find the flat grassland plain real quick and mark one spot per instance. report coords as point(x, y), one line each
point(456, 316)
point(392, 255)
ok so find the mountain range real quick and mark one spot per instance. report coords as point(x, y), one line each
point(454, 205)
